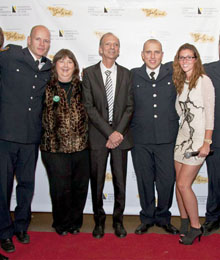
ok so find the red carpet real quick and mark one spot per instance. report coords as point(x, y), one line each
point(50, 246)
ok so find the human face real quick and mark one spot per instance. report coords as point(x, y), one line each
point(65, 68)
point(187, 61)
point(109, 49)
point(152, 54)
point(39, 41)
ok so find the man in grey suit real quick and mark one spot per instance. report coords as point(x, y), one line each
point(212, 221)
point(154, 127)
point(109, 103)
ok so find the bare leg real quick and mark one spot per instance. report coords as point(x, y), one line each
point(183, 213)
point(185, 179)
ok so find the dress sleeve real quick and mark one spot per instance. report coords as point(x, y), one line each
point(208, 93)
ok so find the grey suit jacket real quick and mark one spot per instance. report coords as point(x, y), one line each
point(95, 100)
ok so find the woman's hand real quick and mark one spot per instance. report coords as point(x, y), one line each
point(204, 150)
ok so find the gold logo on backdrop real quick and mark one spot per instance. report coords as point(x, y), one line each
point(154, 12)
point(61, 33)
point(106, 10)
point(59, 11)
point(14, 9)
point(14, 36)
point(200, 179)
point(98, 34)
point(200, 10)
point(50, 56)
point(108, 176)
point(198, 37)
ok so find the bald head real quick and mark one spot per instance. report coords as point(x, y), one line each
point(38, 27)
point(154, 41)
point(106, 35)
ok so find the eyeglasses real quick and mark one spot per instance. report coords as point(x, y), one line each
point(188, 58)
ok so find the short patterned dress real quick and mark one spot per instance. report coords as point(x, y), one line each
point(196, 110)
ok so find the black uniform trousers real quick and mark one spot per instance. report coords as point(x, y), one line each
point(68, 175)
point(154, 167)
point(16, 160)
point(118, 162)
point(213, 200)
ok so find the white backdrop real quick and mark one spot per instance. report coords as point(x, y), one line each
point(78, 25)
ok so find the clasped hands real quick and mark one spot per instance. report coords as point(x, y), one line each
point(114, 140)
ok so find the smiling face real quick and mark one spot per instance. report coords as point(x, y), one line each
point(109, 48)
point(39, 41)
point(152, 54)
point(187, 60)
point(65, 68)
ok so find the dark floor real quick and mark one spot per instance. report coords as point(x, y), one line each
point(43, 221)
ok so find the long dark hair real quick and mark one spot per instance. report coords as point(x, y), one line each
point(59, 55)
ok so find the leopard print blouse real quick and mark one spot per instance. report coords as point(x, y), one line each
point(65, 126)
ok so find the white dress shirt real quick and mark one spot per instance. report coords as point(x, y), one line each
point(157, 70)
point(113, 76)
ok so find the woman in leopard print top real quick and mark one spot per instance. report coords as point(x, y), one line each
point(64, 144)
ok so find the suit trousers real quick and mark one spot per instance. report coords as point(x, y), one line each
point(213, 200)
point(16, 160)
point(118, 162)
point(154, 167)
point(68, 175)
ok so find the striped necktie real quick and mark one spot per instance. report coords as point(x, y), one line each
point(109, 94)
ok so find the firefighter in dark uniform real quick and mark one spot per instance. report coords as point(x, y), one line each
point(212, 220)
point(2, 257)
point(154, 127)
point(23, 77)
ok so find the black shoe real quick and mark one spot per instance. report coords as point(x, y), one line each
point(74, 230)
point(2, 257)
point(120, 230)
point(98, 231)
point(191, 236)
point(142, 228)
point(7, 245)
point(61, 232)
point(22, 237)
point(169, 228)
point(211, 226)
